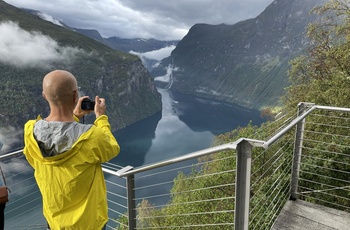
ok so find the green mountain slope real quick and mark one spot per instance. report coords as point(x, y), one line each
point(119, 77)
point(245, 63)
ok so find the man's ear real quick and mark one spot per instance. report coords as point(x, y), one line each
point(44, 95)
point(76, 96)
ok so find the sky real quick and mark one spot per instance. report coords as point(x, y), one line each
point(158, 19)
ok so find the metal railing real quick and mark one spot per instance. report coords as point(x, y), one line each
point(238, 185)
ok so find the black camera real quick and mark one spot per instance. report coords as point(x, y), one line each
point(87, 104)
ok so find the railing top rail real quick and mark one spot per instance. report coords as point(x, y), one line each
point(273, 139)
point(188, 156)
point(340, 109)
point(11, 154)
point(200, 153)
point(312, 107)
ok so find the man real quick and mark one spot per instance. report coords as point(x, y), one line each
point(67, 156)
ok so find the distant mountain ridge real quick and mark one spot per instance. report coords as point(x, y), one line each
point(119, 77)
point(127, 44)
point(117, 43)
point(245, 63)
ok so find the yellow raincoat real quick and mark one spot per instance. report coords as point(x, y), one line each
point(72, 183)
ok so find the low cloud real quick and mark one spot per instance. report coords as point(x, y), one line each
point(159, 54)
point(168, 77)
point(21, 48)
point(49, 18)
point(156, 54)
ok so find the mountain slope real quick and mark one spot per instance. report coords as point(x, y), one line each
point(119, 77)
point(245, 63)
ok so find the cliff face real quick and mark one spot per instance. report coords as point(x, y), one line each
point(128, 89)
point(134, 99)
point(245, 63)
point(119, 77)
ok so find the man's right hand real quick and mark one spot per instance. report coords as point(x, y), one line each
point(100, 106)
point(78, 111)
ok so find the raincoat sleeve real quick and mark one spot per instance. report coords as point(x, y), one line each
point(29, 144)
point(107, 141)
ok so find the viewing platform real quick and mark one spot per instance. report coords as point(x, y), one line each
point(304, 215)
point(293, 175)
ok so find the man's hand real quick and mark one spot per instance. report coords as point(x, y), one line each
point(100, 106)
point(78, 111)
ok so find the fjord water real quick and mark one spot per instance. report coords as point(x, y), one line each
point(185, 124)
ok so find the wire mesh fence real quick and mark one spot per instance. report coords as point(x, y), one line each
point(24, 209)
point(270, 186)
point(325, 163)
point(189, 194)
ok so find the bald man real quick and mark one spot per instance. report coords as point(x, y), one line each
point(67, 156)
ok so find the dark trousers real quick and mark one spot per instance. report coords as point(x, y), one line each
point(2, 216)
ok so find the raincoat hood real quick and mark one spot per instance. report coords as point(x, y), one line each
point(55, 138)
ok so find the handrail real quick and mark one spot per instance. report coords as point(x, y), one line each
point(343, 109)
point(6, 155)
point(196, 154)
point(273, 139)
point(116, 173)
point(189, 156)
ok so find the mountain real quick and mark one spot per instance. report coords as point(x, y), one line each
point(119, 77)
point(132, 45)
point(94, 34)
point(245, 63)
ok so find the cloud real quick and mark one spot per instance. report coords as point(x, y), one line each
point(159, 19)
point(168, 77)
point(21, 48)
point(190, 12)
point(156, 54)
point(49, 18)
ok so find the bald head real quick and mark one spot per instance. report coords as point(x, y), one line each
point(60, 88)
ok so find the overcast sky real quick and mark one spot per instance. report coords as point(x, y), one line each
point(159, 19)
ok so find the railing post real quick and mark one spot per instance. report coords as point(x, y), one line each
point(243, 162)
point(298, 144)
point(130, 185)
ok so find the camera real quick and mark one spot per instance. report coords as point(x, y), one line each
point(87, 104)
